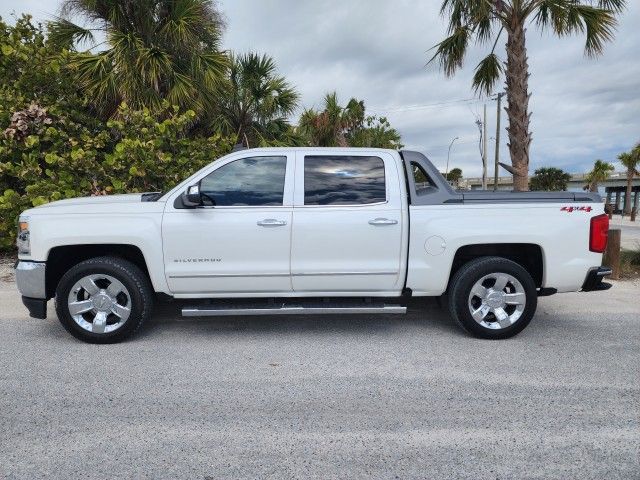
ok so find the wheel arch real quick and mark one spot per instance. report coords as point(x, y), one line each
point(528, 255)
point(60, 259)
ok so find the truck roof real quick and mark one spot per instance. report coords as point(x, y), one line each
point(341, 150)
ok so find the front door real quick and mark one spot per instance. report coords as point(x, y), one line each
point(239, 240)
point(347, 224)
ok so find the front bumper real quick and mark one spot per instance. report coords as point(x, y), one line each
point(31, 282)
point(593, 281)
point(30, 278)
point(37, 307)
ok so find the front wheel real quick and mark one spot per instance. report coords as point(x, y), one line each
point(103, 300)
point(492, 297)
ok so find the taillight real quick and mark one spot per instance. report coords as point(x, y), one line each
point(598, 233)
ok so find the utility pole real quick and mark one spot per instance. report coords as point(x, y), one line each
point(497, 166)
point(484, 150)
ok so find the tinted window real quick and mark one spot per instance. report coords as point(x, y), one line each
point(343, 180)
point(251, 181)
point(421, 179)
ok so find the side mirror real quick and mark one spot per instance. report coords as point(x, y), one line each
point(192, 197)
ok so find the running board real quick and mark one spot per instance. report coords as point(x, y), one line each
point(226, 311)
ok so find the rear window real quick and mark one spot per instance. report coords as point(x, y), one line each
point(343, 180)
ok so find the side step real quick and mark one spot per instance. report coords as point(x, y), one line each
point(303, 308)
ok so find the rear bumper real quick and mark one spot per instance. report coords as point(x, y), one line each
point(593, 281)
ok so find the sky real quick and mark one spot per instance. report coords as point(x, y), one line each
point(582, 109)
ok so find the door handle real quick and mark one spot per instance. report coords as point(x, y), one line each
point(271, 222)
point(383, 221)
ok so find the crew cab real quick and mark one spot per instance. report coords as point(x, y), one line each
point(309, 231)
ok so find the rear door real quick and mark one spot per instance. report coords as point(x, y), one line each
point(347, 223)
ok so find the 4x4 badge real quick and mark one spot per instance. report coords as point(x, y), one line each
point(576, 209)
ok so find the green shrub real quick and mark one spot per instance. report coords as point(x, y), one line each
point(51, 157)
point(52, 146)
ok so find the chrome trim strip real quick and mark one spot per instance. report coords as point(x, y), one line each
point(358, 205)
point(604, 272)
point(318, 274)
point(30, 279)
point(230, 275)
point(232, 207)
point(227, 312)
point(323, 274)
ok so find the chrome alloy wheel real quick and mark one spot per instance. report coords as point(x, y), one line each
point(497, 301)
point(99, 303)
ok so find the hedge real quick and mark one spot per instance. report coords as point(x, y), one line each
point(46, 157)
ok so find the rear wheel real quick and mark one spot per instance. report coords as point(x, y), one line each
point(103, 300)
point(492, 297)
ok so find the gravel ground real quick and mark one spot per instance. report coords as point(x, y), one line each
point(6, 269)
point(327, 397)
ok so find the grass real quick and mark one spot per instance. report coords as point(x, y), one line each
point(630, 263)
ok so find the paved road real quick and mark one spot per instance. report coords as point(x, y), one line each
point(327, 397)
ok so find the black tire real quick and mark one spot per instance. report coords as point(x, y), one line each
point(465, 279)
point(135, 281)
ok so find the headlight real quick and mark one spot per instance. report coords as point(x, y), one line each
point(23, 241)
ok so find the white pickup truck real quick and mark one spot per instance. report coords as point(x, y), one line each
point(309, 230)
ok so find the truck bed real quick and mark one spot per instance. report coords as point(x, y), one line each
point(438, 191)
point(517, 197)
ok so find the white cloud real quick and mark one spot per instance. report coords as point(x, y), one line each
point(376, 50)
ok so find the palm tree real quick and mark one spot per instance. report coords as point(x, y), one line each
point(328, 127)
point(348, 126)
point(550, 179)
point(375, 132)
point(631, 161)
point(483, 21)
point(454, 176)
point(601, 171)
point(157, 50)
point(256, 103)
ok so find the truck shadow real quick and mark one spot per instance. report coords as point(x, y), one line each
point(422, 313)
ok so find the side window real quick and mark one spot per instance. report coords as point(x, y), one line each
point(421, 179)
point(343, 180)
point(253, 181)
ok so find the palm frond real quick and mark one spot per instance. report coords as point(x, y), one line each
point(569, 18)
point(65, 33)
point(181, 89)
point(599, 26)
point(616, 6)
point(153, 64)
point(476, 14)
point(631, 160)
point(487, 74)
point(96, 75)
point(156, 50)
point(451, 51)
point(181, 26)
point(255, 98)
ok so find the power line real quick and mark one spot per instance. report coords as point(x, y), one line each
point(405, 108)
point(427, 148)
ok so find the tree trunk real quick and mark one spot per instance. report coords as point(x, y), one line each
point(517, 83)
point(627, 197)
